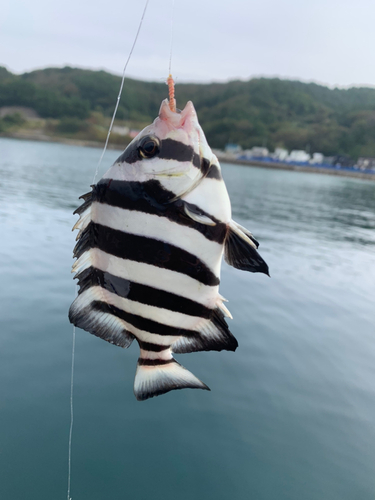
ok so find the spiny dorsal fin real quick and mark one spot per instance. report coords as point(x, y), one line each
point(240, 250)
point(83, 314)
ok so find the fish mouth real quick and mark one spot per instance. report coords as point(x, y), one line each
point(185, 119)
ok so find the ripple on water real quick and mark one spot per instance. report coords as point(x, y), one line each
point(291, 414)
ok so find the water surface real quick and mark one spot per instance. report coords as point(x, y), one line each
point(291, 414)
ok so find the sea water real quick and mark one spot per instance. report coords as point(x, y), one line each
point(290, 415)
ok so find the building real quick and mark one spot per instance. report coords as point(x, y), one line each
point(233, 149)
point(116, 129)
point(343, 161)
point(280, 154)
point(366, 163)
point(298, 156)
point(258, 152)
point(317, 159)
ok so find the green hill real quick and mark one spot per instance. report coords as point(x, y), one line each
point(260, 111)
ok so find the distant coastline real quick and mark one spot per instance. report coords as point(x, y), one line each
point(299, 168)
point(222, 158)
point(61, 140)
point(269, 112)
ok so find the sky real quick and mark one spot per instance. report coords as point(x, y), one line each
point(326, 41)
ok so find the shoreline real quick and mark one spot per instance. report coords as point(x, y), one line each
point(299, 168)
point(60, 140)
point(221, 158)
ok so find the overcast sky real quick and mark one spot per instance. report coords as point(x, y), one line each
point(326, 41)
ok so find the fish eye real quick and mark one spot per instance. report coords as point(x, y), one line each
point(148, 147)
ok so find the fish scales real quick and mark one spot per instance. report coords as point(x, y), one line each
point(152, 234)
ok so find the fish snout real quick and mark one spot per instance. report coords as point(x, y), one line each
point(185, 119)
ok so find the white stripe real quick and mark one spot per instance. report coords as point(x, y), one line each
point(160, 228)
point(146, 274)
point(152, 168)
point(211, 195)
point(152, 338)
point(84, 299)
point(175, 176)
point(84, 262)
point(83, 220)
point(149, 379)
point(167, 354)
point(163, 316)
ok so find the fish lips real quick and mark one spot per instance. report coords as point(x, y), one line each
point(186, 119)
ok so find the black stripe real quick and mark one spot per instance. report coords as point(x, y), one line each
point(176, 150)
point(214, 172)
point(210, 170)
point(146, 250)
point(155, 362)
point(140, 293)
point(169, 150)
point(148, 346)
point(151, 198)
point(145, 324)
point(205, 166)
point(131, 153)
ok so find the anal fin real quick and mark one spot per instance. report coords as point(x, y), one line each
point(213, 335)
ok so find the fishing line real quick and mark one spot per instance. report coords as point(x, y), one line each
point(71, 412)
point(170, 53)
point(120, 92)
point(76, 293)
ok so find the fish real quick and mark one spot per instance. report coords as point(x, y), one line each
point(152, 235)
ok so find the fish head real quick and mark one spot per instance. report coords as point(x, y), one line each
point(172, 150)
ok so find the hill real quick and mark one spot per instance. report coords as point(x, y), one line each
point(260, 111)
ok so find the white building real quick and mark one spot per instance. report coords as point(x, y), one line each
point(233, 149)
point(366, 163)
point(317, 158)
point(280, 154)
point(116, 129)
point(245, 154)
point(257, 151)
point(299, 156)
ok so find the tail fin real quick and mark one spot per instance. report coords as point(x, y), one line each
point(154, 377)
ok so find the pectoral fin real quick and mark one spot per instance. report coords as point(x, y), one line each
point(197, 216)
point(240, 250)
point(246, 232)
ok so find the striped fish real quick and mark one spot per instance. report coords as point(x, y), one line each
point(152, 233)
